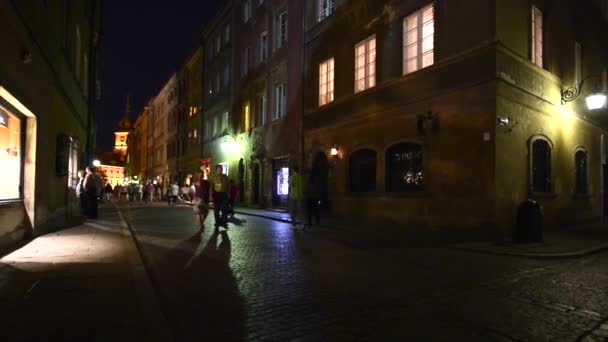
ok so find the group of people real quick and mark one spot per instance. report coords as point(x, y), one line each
point(304, 198)
point(89, 191)
point(220, 189)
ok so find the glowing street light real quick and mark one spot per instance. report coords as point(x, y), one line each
point(596, 101)
point(96, 163)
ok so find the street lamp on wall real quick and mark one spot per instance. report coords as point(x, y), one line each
point(595, 100)
point(334, 150)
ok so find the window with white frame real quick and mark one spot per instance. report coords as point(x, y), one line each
point(365, 64)
point(577, 62)
point(226, 75)
point(218, 43)
point(216, 125)
point(281, 29)
point(261, 110)
point(246, 61)
point(280, 101)
point(326, 8)
point(225, 121)
point(537, 37)
point(263, 53)
point(85, 86)
point(418, 39)
point(73, 163)
point(246, 10)
point(227, 34)
point(78, 53)
point(326, 82)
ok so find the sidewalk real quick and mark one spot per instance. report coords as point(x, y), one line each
point(85, 283)
point(571, 243)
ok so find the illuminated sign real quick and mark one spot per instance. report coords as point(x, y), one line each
point(3, 118)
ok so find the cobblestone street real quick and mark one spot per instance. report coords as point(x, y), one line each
point(262, 281)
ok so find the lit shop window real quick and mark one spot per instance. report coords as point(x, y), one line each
point(283, 181)
point(10, 155)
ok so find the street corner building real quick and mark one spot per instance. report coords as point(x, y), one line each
point(48, 85)
point(451, 113)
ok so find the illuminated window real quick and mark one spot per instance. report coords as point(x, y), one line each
point(537, 37)
point(224, 168)
point(195, 134)
point(418, 40)
point(365, 64)
point(540, 165)
point(283, 181)
point(404, 168)
point(246, 117)
point(73, 163)
point(225, 121)
point(580, 160)
point(362, 171)
point(326, 82)
point(326, 8)
point(10, 155)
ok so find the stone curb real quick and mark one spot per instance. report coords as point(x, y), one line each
point(147, 289)
point(562, 255)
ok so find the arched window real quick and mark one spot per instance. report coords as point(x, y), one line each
point(541, 165)
point(404, 168)
point(580, 164)
point(362, 171)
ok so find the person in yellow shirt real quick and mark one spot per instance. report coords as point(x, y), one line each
point(220, 197)
point(296, 195)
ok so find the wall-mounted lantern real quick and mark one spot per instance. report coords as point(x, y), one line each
point(595, 100)
point(334, 150)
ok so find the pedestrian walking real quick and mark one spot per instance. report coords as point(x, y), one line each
point(296, 194)
point(202, 187)
point(232, 193)
point(313, 200)
point(108, 191)
point(220, 197)
point(173, 193)
point(93, 189)
point(81, 193)
point(150, 192)
point(139, 192)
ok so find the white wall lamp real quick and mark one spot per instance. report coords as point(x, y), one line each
point(595, 100)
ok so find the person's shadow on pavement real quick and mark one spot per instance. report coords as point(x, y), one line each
point(237, 221)
point(203, 291)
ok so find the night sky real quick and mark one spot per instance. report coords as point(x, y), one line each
point(143, 43)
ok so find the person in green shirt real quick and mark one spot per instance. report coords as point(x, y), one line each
point(220, 197)
point(296, 195)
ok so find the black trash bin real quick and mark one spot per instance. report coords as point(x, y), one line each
point(529, 222)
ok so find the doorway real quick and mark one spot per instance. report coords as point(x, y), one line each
point(241, 180)
point(256, 183)
point(320, 173)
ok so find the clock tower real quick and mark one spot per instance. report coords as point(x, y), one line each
point(121, 135)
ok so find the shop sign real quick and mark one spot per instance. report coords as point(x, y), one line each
point(3, 118)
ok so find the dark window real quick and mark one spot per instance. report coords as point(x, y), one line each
point(541, 166)
point(404, 168)
point(580, 159)
point(362, 171)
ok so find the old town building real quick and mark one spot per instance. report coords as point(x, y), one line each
point(163, 119)
point(190, 113)
point(48, 86)
point(263, 94)
point(218, 140)
point(450, 114)
point(138, 146)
